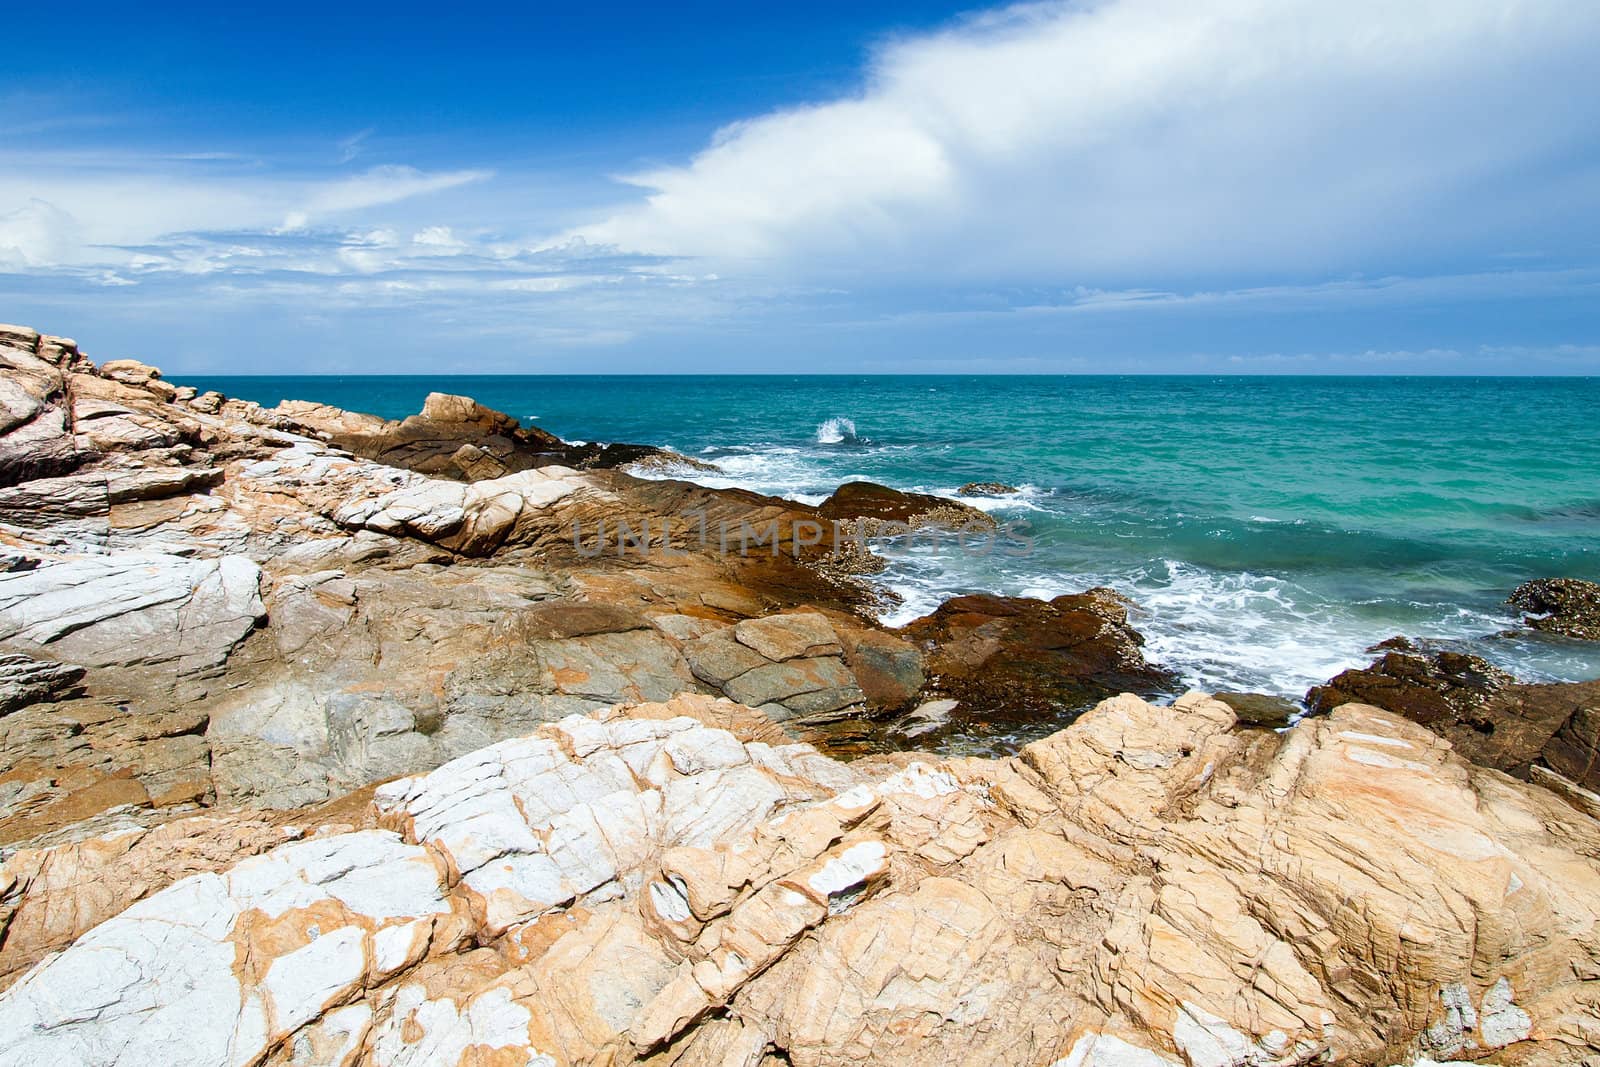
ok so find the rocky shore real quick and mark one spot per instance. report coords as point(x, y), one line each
point(328, 739)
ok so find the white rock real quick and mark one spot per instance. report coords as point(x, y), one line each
point(157, 983)
point(1108, 1050)
point(704, 750)
point(427, 1033)
point(134, 609)
point(1500, 1022)
point(301, 984)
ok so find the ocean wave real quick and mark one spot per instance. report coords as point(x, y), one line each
point(1027, 498)
point(836, 431)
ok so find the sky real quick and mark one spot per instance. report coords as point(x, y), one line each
point(1163, 186)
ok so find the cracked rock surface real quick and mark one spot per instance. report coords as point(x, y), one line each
point(676, 883)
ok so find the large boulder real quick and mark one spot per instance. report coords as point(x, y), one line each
point(1424, 686)
point(1011, 660)
point(452, 437)
point(1566, 606)
point(790, 665)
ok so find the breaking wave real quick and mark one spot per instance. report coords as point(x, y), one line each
point(836, 431)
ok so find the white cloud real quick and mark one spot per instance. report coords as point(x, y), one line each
point(1113, 139)
point(56, 213)
point(35, 234)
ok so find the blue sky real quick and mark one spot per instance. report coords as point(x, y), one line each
point(1254, 186)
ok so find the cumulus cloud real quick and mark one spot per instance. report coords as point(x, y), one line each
point(1122, 138)
point(1041, 187)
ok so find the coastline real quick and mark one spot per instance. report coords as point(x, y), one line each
point(271, 670)
point(1270, 533)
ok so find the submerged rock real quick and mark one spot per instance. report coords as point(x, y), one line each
point(987, 489)
point(1566, 606)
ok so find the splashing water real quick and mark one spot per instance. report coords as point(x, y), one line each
point(836, 430)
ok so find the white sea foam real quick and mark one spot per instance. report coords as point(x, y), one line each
point(1026, 498)
point(836, 430)
point(1217, 630)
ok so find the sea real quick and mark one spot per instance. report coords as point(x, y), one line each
point(1269, 530)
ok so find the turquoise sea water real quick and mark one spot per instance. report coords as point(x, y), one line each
point(1270, 529)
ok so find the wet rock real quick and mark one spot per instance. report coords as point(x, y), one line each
point(1424, 687)
point(890, 670)
point(876, 507)
point(926, 718)
point(1017, 658)
point(1566, 606)
point(664, 462)
point(1260, 709)
point(987, 489)
point(1574, 750)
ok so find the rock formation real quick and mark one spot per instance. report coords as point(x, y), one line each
point(1539, 732)
point(987, 489)
point(1015, 661)
point(673, 884)
point(204, 602)
point(1566, 606)
point(330, 740)
point(878, 508)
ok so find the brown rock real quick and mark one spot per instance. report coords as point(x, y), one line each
point(889, 669)
point(1015, 658)
point(1566, 606)
point(787, 636)
point(877, 505)
point(653, 884)
point(1424, 687)
point(1260, 709)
